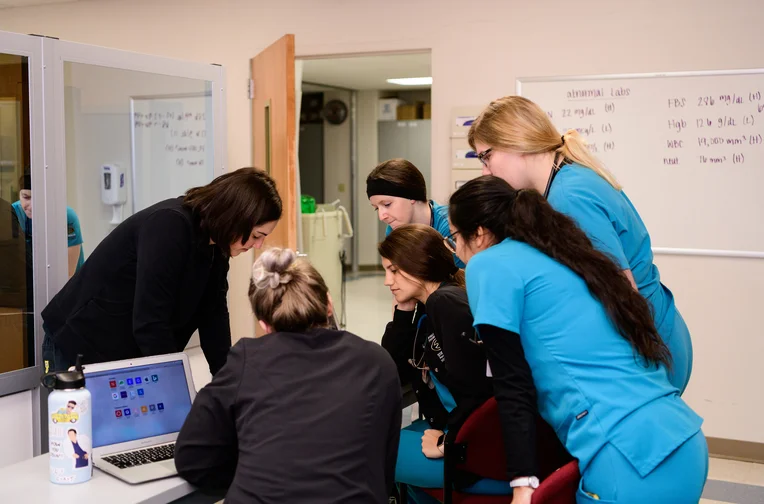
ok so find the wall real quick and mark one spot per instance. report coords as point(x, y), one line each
point(368, 153)
point(478, 49)
point(16, 422)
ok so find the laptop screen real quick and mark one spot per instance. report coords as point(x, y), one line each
point(138, 402)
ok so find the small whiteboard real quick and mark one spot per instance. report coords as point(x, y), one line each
point(687, 147)
point(172, 145)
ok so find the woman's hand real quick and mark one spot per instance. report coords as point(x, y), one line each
point(430, 444)
point(409, 305)
point(522, 495)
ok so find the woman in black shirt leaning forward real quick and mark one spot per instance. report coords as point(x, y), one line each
point(161, 275)
point(303, 414)
point(436, 350)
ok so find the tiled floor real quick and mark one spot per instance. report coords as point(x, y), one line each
point(369, 308)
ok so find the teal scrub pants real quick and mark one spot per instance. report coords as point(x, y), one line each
point(416, 470)
point(679, 479)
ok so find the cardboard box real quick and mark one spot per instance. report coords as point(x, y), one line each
point(427, 111)
point(407, 112)
point(388, 109)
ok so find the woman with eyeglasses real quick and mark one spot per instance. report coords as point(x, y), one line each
point(436, 351)
point(398, 193)
point(516, 141)
point(566, 333)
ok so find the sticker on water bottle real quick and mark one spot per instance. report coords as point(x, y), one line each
point(70, 445)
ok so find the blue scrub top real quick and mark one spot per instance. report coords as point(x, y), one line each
point(73, 231)
point(592, 387)
point(613, 225)
point(439, 223)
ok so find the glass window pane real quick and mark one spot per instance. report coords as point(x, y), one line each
point(16, 292)
point(132, 139)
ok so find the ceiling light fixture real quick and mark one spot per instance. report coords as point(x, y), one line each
point(412, 81)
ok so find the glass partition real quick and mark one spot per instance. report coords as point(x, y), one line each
point(133, 138)
point(17, 349)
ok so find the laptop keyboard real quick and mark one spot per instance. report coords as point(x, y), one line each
point(142, 457)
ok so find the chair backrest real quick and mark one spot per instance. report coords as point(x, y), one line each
point(482, 436)
point(559, 487)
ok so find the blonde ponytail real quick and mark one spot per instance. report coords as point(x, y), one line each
point(517, 124)
point(574, 147)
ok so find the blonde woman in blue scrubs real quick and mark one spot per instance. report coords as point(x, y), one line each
point(516, 141)
point(566, 333)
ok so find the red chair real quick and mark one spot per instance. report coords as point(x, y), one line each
point(476, 448)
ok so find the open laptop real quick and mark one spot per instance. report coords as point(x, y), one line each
point(139, 407)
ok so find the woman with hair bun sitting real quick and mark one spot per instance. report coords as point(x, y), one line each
point(304, 413)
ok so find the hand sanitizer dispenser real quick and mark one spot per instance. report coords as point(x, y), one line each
point(113, 190)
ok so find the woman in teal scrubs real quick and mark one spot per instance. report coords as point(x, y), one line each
point(516, 141)
point(566, 333)
point(398, 193)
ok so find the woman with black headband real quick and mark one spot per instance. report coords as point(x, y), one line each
point(398, 192)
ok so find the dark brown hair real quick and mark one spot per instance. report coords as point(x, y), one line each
point(420, 252)
point(232, 204)
point(489, 202)
point(403, 173)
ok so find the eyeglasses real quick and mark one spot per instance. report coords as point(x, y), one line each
point(450, 241)
point(485, 156)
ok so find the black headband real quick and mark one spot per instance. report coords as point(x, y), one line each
point(384, 187)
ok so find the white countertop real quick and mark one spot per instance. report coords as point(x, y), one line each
point(28, 483)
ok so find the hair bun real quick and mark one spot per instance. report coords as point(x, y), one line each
point(270, 269)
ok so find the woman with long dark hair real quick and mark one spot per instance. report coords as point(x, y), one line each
point(566, 333)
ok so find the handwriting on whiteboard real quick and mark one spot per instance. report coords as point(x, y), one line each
point(186, 134)
point(711, 128)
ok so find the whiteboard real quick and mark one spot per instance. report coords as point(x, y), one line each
point(172, 145)
point(687, 147)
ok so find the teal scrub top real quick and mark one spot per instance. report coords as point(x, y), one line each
point(73, 231)
point(439, 223)
point(613, 225)
point(592, 387)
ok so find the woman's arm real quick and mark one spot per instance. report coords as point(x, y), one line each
point(398, 340)
point(516, 398)
point(206, 452)
point(73, 257)
point(215, 325)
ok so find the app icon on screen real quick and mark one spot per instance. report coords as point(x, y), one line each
point(121, 383)
point(140, 391)
point(160, 406)
point(144, 409)
point(155, 378)
point(118, 413)
point(129, 382)
point(132, 394)
point(127, 411)
point(112, 384)
point(152, 407)
point(123, 394)
point(115, 396)
point(146, 380)
point(137, 380)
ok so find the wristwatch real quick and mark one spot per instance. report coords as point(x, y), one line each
point(531, 481)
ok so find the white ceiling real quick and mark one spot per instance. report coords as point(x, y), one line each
point(366, 72)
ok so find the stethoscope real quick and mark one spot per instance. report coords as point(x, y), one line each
point(475, 340)
point(552, 174)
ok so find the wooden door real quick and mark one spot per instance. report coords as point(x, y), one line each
point(273, 130)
